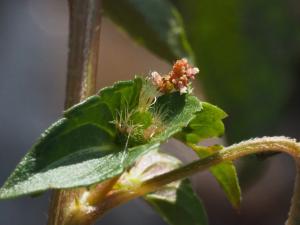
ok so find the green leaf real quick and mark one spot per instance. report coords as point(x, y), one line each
point(156, 24)
point(225, 174)
point(207, 124)
point(243, 48)
point(183, 208)
point(176, 202)
point(85, 148)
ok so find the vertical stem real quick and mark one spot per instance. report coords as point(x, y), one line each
point(84, 38)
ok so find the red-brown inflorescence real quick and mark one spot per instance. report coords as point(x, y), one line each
point(178, 78)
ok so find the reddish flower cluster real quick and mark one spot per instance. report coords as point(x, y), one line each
point(178, 79)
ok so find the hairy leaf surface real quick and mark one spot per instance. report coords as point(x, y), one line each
point(84, 148)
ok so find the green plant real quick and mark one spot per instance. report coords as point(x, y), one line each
point(106, 150)
point(244, 45)
point(108, 146)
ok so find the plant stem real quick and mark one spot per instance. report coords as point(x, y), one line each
point(84, 38)
point(258, 145)
point(266, 144)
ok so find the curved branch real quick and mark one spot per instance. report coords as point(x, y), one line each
point(257, 145)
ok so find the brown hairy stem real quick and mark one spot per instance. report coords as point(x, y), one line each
point(84, 38)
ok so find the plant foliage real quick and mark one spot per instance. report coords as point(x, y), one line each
point(117, 133)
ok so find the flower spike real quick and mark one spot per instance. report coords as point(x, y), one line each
point(178, 79)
